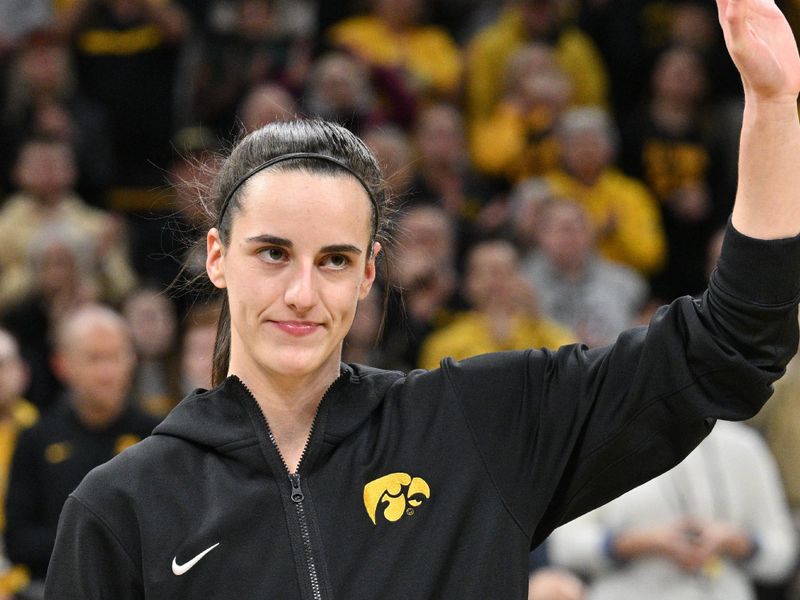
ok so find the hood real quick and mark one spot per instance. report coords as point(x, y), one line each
point(227, 416)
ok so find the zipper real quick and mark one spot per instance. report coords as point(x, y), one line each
point(296, 491)
point(305, 535)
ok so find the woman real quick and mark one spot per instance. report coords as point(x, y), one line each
point(299, 477)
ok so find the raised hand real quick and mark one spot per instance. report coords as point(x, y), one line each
point(763, 47)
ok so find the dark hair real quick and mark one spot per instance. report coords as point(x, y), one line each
point(264, 145)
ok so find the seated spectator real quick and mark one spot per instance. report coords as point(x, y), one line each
point(45, 174)
point(339, 89)
point(255, 49)
point(693, 24)
point(392, 148)
point(504, 314)
point(152, 321)
point(425, 270)
point(630, 33)
point(669, 143)
point(391, 36)
point(93, 422)
point(361, 343)
point(594, 297)
point(16, 415)
point(523, 22)
point(779, 423)
point(618, 29)
point(126, 57)
point(708, 528)
point(264, 104)
point(60, 266)
point(517, 139)
point(525, 202)
point(197, 347)
point(443, 172)
point(622, 210)
point(43, 100)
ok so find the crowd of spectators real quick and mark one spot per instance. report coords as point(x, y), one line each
point(560, 168)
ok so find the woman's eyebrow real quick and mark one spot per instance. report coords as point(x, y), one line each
point(265, 238)
point(341, 248)
point(273, 240)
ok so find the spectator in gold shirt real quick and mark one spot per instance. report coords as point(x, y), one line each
point(622, 210)
point(16, 414)
point(392, 36)
point(504, 315)
point(525, 22)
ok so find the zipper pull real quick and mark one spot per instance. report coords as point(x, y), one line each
point(297, 493)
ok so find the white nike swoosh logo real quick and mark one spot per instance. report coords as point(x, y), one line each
point(181, 569)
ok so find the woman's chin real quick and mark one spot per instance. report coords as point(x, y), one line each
point(299, 364)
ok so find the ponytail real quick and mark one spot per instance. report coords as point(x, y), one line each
point(222, 345)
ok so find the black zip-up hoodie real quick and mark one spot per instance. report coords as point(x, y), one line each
point(432, 484)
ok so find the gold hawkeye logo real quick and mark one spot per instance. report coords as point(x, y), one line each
point(399, 492)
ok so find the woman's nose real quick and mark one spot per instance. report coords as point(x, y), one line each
point(301, 290)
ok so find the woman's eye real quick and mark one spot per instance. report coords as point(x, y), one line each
point(273, 254)
point(337, 261)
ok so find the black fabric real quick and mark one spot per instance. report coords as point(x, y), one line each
point(135, 85)
point(50, 460)
point(758, 271)
point(493, 452)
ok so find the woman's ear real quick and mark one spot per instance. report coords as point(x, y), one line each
point(370, 271)
point(215, 258)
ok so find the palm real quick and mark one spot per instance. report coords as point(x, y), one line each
point(763, 47)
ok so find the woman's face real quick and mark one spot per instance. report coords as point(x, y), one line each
point(296, 265)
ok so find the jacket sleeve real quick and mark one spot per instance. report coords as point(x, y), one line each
point(89, 562)
point(562, 433)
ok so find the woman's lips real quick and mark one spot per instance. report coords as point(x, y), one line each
point(297, 328)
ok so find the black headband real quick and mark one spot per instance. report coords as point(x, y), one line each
point(292, 156)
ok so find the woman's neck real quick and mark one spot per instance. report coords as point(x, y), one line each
point(287, 394)
point(289, 404)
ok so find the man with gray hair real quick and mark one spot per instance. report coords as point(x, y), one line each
point(594, 297)
point(623, 212)
point(94, 421)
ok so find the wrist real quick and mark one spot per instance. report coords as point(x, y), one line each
point(610, 547)
point(740, 546)
point(780, 109)
point(624, 546)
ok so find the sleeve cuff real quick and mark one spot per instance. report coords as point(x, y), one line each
point(759, 271)
point(755, 547)
point(609, 549)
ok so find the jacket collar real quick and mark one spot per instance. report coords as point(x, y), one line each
point(223, 419)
